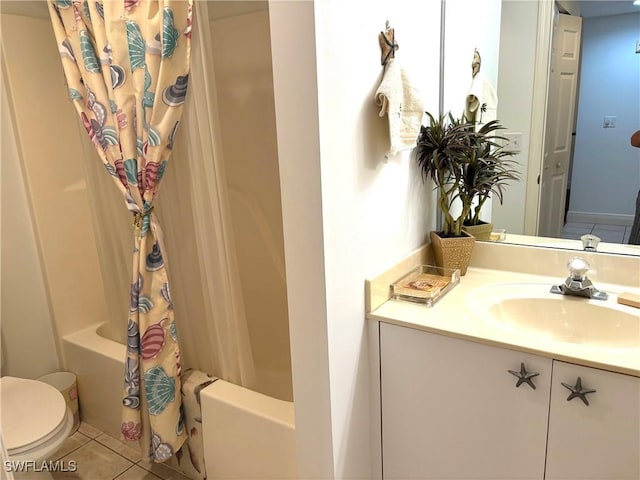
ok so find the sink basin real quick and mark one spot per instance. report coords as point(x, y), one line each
point(530, 310)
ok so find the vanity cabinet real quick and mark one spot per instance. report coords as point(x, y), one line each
point(451, 410)
point(599, 441)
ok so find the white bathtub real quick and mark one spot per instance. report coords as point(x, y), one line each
point(246, 434)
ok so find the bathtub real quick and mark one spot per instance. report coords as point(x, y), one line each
point(246, 434)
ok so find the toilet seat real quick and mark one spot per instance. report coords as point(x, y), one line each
point(35, 418)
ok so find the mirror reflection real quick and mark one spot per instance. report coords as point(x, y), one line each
point(566, 76)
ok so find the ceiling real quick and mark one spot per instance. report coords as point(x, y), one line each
point(217, 8)
point(221, 9)
point(599, 8)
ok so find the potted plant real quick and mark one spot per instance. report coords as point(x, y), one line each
point(440, 152)
point(487, 168)
point(466, 166)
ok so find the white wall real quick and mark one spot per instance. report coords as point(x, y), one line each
point(470, 25)
point(374, 211)
point(606, 171)
point(296, 103)
point(348, 212)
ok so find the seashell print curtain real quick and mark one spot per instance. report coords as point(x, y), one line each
point(127, 68)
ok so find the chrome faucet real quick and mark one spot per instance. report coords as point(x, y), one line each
point(577, 283)
point(590, 242)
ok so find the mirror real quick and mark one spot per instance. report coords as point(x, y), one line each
point(603, 178)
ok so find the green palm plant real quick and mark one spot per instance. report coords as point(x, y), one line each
point(486, 171)
point(464, 164)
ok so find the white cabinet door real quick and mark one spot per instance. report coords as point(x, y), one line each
point(599, 441)
point(451, 409)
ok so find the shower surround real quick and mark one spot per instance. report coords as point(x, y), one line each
point(80, 292)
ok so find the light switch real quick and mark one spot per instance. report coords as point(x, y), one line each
point(637, 46)
point(609, 121)
point(513, 140)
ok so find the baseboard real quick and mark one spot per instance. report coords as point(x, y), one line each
point(602, 218)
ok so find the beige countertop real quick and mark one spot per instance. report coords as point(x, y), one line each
point(458, 314)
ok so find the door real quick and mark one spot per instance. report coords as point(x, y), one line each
point(599, 441)
point(561, 108)
point(451, 409)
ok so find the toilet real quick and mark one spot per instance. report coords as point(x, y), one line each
point(35, 419)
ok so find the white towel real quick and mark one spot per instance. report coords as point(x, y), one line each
point(400, 100)
point(482, 101)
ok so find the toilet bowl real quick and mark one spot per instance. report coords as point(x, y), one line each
point(35, 419)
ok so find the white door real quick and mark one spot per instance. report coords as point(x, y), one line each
point(451, 409)
point(560, 123)
point(599, 441)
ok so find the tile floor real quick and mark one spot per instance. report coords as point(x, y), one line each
point(607, 233)
point(101, 457)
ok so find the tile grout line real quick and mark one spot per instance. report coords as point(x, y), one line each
point(92, 437)
point(89, 439)
point(573, 232)
point(122, 473)
point(115, 451)
point(136, 465)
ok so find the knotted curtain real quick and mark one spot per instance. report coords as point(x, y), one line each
point(127, 64)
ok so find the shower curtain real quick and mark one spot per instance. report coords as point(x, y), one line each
point(195, 214)
point(127, 69)
point(196, 221)
point(206, 274)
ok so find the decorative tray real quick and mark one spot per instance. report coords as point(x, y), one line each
point(425, 284)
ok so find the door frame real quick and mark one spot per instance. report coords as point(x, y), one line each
point(538, 115)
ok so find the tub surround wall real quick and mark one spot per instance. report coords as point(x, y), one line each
point(98, 362)
point(28, 339)
point(244, 83)
point(47, 134)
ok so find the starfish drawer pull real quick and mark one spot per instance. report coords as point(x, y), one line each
point(524, 376)
point(578, 391)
